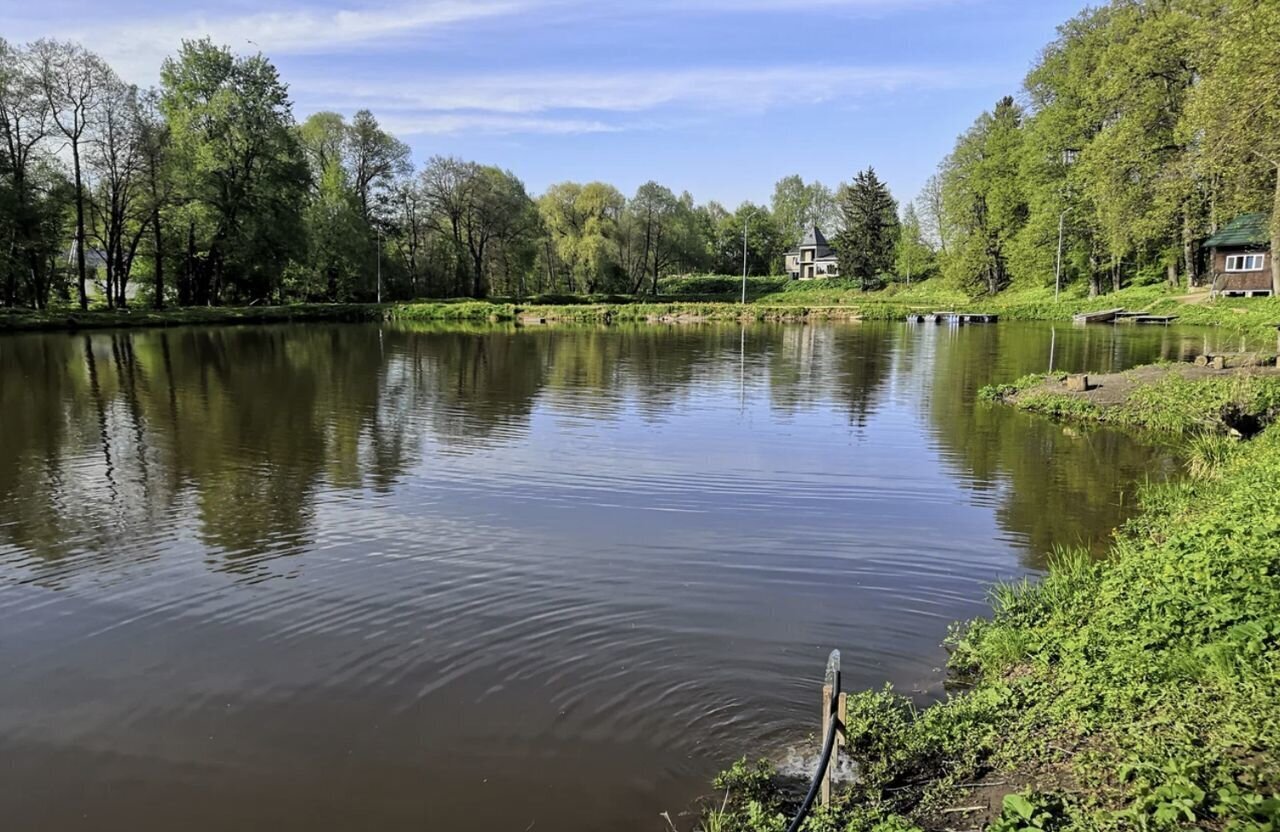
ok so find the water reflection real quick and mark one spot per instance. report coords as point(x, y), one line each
point(107, 434)
point(326, 577)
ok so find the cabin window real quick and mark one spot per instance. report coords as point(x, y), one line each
point(1245, 262)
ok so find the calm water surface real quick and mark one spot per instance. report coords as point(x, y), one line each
point(351, 577)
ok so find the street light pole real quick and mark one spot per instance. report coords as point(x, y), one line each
point(1068, 159)
point(1057, 271)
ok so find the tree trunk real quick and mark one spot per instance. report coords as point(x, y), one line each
point(158, 259)
point(109, 264)
point(188, 273)
point(477, 285)
point(80, 269)
point(1189, 252)
point(1275, 239)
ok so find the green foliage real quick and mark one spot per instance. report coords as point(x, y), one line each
point(869, 216)
point(1030, 812)
point(751, 801)
point(1171, 403)
point(240, 163)
point(1209, 453)
point(983, 201)
point(1136, 143)
point(797, 205)
point(914, 257)
point(1005, 392)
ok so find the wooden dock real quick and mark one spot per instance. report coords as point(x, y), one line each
point(956, 318)
point(1154, 319)
point(1104, 316)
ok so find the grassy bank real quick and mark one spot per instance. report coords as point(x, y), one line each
point(687, 300)
point(1138, 693)
point(783, 300)
point(1175, 398)
point(74, 319)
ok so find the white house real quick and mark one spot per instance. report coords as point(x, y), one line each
point(95, 266)
point(813, 258)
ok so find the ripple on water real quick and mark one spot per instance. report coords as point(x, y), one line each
point(364, 577)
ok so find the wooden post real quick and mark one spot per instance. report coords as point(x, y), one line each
point(826, 723)
point(830, 688)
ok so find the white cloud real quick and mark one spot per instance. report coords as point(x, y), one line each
point(490, 123)
point(723, 89)
point(413, 101)
point(876, 7)
point(137, 48)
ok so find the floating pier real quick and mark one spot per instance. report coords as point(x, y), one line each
point(954, 318)
point(1104, 316)
point(1154, 319)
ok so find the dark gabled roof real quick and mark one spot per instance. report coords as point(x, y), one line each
point(1244, 230)
point(813, 237)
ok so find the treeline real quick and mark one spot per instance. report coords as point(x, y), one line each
point(206, 191)
point(1142, 129)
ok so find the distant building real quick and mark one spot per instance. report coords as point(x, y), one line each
point(1240, 257)
point(813, 258)
point(95, 267)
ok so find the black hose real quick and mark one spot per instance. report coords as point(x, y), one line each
point(833, 724)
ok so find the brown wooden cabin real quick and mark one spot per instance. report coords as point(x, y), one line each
point(1240, 257)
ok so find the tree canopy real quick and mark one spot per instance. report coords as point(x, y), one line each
point(1144, 127)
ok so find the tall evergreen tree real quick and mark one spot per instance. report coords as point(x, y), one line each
point(870, 217)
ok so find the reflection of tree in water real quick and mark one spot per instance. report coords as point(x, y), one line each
point(471, 388)
point(811, 366)
point(108, 437)
point(1053, 483)
point(113, 432)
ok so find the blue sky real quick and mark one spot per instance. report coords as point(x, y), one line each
point(717, 97)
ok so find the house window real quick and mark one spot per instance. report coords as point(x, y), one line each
point(1245, 262)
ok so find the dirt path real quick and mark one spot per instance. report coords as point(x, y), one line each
point(1114, 389)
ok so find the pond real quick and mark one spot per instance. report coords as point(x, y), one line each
point(354, 576)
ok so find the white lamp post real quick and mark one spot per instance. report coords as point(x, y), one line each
point(1068, 159)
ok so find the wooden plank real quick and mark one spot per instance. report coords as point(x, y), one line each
point(1101, 316)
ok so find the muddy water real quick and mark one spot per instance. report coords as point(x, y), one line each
point(338, 577)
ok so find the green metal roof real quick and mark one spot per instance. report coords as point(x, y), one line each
point(1244, 230)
